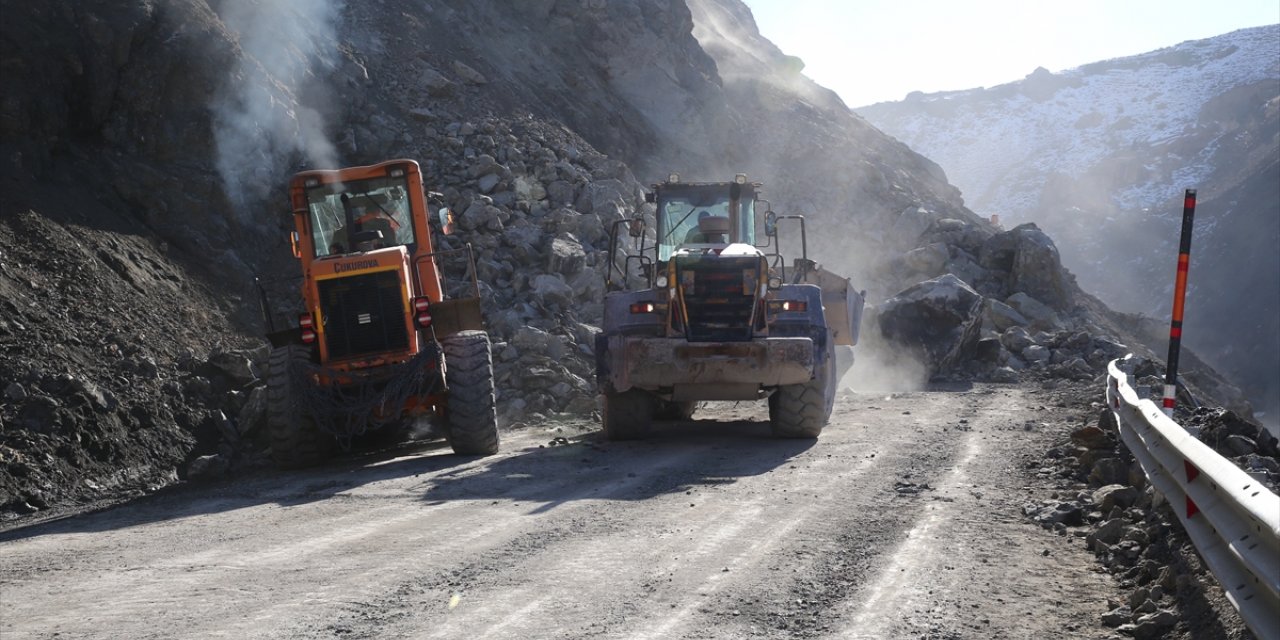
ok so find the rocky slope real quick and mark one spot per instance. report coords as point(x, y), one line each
point(1098, 156)
point(145, 157)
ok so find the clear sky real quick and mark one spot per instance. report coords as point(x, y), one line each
point(877, 50)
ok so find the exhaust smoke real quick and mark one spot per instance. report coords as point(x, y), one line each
point(260, 123)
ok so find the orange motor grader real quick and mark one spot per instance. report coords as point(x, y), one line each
point(377, 344)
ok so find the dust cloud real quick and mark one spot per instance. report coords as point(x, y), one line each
point(882, 367)
point(260, 121)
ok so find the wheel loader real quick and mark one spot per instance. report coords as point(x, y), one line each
point(377, 345)
point(711, 311)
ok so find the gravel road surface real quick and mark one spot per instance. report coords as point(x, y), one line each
point(901, 521)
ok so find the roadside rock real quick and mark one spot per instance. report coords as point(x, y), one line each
point(1115, 495)
point(1118, 616)
point(910, 223)
point(1037, 268)
point(467, 74)
point(1016, 339)
point(436, 84)
point(207, 468)
point(927, 260)
point(1154, 625)
point(1002, 316)
point(235, 367)
point(1039, 314)
point(566, 256)
point(15, 392)
point(939, 317)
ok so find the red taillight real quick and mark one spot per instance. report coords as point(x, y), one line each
point(308, 328)
point(422, 311)
point(643, 307)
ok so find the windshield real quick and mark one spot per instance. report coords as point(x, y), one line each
point(680, 210)
point(379, 204)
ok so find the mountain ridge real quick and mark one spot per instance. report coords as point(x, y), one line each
point(1099, 155)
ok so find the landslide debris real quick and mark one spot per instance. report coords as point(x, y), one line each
point(1103, 499)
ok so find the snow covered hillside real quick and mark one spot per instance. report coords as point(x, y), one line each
point(1099, 157)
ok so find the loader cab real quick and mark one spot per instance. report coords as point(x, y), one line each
point(360, 216)
point(698, 215)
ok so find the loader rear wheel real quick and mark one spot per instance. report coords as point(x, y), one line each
point(296, 441)
point(628, 415)
point(472, 416)
point(802, 410)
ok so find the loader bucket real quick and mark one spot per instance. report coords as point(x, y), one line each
point(842, 306)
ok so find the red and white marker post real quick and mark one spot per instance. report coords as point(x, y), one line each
point(1179, 302)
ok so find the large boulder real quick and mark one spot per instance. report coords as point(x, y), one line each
point(1032, 262)
point(910, 223)
point(1037, 269)
point(1002, 316)
point(940, 318)
point(1040, 315)
point(566, 256)
point(928, 260)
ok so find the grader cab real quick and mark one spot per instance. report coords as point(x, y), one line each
point(713, 316)
point(378, 345)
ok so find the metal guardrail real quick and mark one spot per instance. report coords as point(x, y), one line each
point(1232, 519)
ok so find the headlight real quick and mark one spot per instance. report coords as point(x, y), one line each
point(661, 281)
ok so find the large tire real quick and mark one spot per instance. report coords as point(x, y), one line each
point(296, 441)
point(802, 410)
point(628, 415)
point(471, 414)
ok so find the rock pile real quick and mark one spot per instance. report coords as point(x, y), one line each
point(1106, 501)
point(1001, 309)
point(1249, 445)
point(535, 203)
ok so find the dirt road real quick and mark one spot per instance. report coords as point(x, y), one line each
point(901, 521)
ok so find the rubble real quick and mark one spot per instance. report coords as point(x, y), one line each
point(1128, 525)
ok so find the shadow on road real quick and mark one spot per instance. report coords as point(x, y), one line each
point(677, 458)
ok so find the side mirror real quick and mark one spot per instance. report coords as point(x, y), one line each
point(636, 227)
point(650, 198)
point(446, 221)
point(770, 224)
point(294, 239)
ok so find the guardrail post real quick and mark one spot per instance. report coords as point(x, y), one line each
point(1179, 301)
